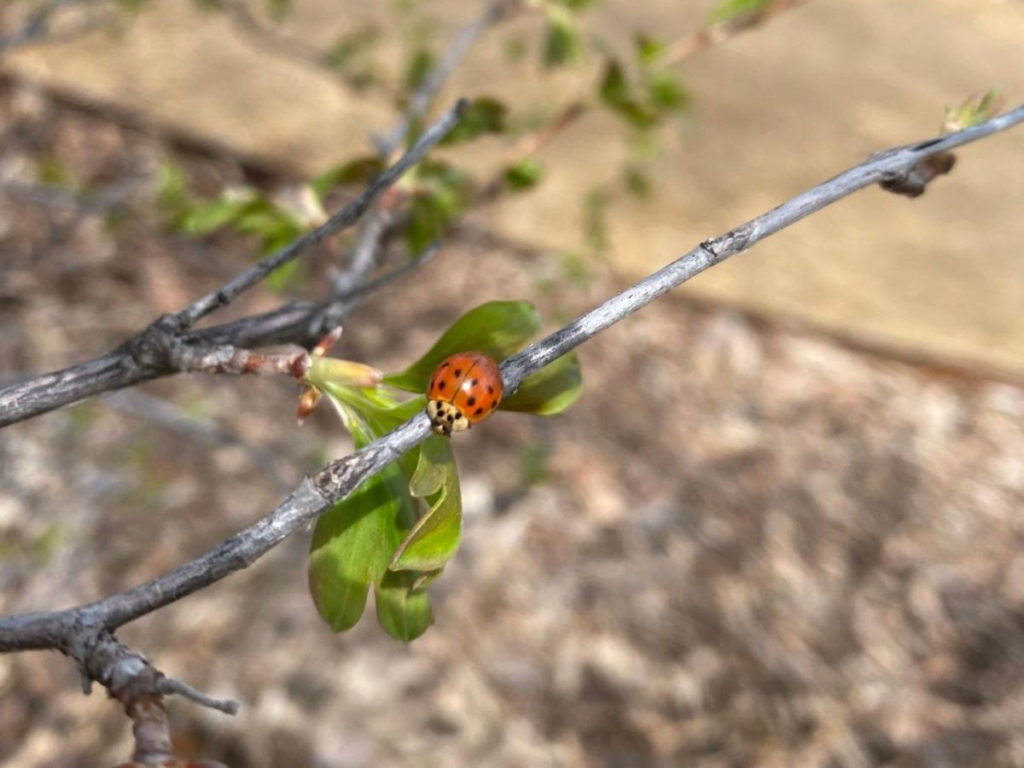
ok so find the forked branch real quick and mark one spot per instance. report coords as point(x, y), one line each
point(169, 345)
point(61, 629)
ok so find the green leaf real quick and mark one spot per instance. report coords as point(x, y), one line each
point(402, 412)
point(616, 93)
point(975, 109)
point(595, 218)
point(360, 170)
point(576, 6)
point(416, 69)
point(204, 218)
point(347, 48)
point(403, 607)
point(647, 49)
point(172, 196)
point(614, 89)
point(576, 269)
point(484, 115)
point(50, 169)
point(497, 328)
point(636, 181)
point(427, 221)
point(638, 115)
point(435, 467)
point(666, 91)
point(550, 390)
point(203, 5)
point(524, 174)
point(456, 182)
point(562, 41)
point(442, 192)
point(735, 10)
point(376, 413)
point(284, 276)
point(515, 50)
point(274, 226)
point(279, 9)
point(435, 538)
point(353, 543)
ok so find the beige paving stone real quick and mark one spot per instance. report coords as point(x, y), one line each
point(774, 112)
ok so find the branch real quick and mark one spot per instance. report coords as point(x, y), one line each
point(343, 219)
point(60, 629)
point(436, 78)
point(380, 220)
point(303, 323)
point(140, 687)
point(712, 34)
point(166, 346)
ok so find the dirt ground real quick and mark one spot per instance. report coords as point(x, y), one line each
point(745, 546)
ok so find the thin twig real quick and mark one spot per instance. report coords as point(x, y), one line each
point(712, 34)
point(344, 218)
point(381, 218)
point(169, 685)
point(59, 629)
point(364, 255)
point(302, 323)
point(379, 221)
point(140, 687)
point(424, 95)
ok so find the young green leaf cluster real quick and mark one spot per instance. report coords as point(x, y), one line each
point(398, 529)
point(246, 210)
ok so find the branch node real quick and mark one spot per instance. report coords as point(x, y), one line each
point(168, 685)
point(912, 181)
point(708, 246)
point(156, 348)
point(84, 679)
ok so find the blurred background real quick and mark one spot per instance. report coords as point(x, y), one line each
point(782, 525)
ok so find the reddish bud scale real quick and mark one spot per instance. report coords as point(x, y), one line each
point(300, 366)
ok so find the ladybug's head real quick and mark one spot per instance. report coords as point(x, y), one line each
point(445, 417)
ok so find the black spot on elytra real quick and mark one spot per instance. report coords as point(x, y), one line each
point(440, 384)
point(478, 411)
point(471, 402)
point(445, 364)
point(494, 405)
point(490, 390)
point(474, 382)
point(458, 371)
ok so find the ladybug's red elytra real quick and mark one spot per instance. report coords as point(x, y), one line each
point(465, 389)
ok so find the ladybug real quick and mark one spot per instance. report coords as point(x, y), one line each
point(465, 388)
